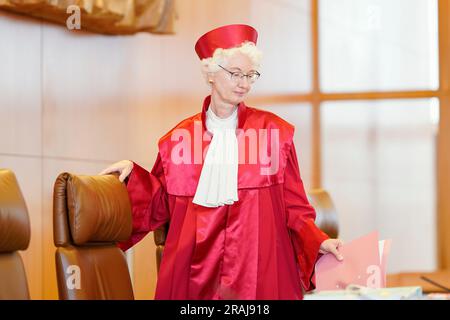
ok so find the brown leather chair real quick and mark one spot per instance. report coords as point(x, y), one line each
point(91, 214)
point(326, 215)
point(326, 220)
point(14, 236)
point(159, 235)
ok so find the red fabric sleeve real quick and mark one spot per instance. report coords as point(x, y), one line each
point(149, 201)
point(305, 235)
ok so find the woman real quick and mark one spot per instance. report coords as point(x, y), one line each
point(227, 180)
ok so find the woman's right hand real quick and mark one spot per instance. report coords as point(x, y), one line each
point(123, 167)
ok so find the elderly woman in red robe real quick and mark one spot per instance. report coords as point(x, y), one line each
point(228, 182)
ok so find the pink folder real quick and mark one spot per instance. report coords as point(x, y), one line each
point(361, 265)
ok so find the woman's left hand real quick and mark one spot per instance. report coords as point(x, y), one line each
point(332, 246)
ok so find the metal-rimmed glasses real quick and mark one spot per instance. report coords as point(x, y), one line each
point(235, 76)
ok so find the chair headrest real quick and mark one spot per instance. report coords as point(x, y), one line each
point(14, 220)
point(88, 210)
point(326, 218)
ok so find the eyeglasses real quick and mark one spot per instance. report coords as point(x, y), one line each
point(238, 75)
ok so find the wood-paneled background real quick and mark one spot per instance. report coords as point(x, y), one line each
point(76, 102)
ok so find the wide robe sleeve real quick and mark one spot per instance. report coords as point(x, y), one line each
point(149, 201)
point(305, 235)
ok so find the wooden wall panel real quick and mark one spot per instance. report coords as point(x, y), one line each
point(443, 153)
point(79, 101)
point(20, 126)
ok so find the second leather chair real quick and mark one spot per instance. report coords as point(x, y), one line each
point(91, 214)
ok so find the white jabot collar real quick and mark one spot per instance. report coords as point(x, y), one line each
point(217, 185)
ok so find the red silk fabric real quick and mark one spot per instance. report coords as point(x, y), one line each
point(264, 246)
point(224, 37)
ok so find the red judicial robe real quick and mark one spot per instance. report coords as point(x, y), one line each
point(263, 246)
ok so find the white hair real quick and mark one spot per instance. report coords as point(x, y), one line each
point(221, 56)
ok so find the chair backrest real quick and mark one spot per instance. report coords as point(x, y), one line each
point(159, 235)
point(14, 236)
point(326, 220)
point(326, 215)
point(90, 215)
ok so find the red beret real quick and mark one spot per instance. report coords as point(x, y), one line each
point(225, 37)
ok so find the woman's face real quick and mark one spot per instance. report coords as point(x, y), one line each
point(228, 90)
